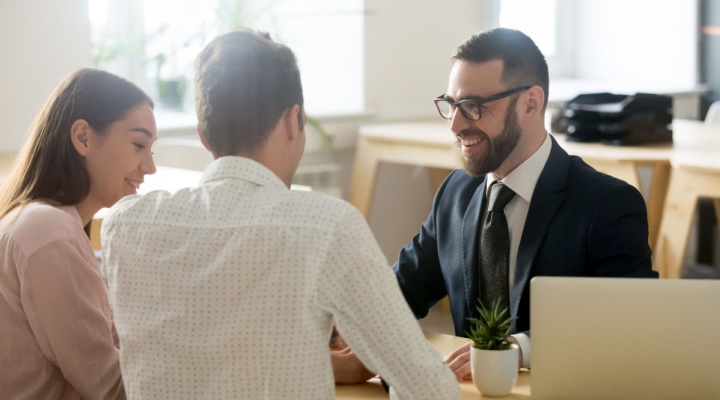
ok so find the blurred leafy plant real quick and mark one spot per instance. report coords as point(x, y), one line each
point(162, 48)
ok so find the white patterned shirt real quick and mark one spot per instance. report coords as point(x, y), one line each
point(230, 290)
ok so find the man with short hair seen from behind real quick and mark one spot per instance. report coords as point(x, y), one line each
point(230, 290)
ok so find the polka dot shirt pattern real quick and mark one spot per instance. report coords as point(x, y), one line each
point(230, 290)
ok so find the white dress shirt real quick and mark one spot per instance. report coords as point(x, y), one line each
point(230, 290)
point(522, 181)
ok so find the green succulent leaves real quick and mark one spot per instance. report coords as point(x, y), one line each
point(490, 331)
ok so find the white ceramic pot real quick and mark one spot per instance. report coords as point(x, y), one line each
point(494, 372)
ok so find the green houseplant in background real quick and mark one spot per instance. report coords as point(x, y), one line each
point(171, 91)
point(157, 53)
point(493, 359)
point(172, 53)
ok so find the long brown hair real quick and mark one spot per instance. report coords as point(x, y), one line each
point(48, 166)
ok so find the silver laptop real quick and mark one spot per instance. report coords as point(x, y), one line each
point(611, 338)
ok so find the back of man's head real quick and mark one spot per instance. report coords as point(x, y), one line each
point(523, 62)
point(243, 82)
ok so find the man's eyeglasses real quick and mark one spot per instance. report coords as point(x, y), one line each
point(470, 108)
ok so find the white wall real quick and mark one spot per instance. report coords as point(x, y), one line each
point(408, 44)
point(41, 41)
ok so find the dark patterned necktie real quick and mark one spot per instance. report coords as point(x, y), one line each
point(495, 248)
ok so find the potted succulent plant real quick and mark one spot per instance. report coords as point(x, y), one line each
point(493, 359)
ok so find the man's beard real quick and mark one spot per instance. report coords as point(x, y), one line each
point(498, 149)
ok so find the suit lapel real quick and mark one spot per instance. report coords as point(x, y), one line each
point(470, 231)
point(546, 199)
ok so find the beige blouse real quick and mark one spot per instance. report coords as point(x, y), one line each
point(57, 338)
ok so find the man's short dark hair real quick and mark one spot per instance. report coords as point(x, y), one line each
point(244, 81)
point(523, 63)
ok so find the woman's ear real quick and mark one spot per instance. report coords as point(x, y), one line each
point(80, 135)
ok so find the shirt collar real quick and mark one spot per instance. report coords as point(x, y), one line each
point(242, 168)
point(522, 180)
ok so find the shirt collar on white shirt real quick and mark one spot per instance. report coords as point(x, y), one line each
point(243, 168)
point(522, 180)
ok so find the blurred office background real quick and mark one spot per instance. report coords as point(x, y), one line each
point(362, 62)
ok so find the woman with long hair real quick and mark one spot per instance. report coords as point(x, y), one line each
point(89, 147)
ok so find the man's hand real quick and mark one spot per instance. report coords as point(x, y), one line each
point(512, 339)
point(459, 362)
point(347, 368)
point(336, 341)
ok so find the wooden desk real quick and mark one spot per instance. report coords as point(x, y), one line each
point(431, 144)
point(624, 162)
point(426, 144)
point(691, 141)
point(695, 173)
point(445, 344)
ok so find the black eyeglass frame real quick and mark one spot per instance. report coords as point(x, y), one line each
point(478, 102)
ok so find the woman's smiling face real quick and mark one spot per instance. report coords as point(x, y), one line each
point(118, 160)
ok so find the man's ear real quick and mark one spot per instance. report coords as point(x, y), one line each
point(534, 100)
point(290, 121)
point(80, 136)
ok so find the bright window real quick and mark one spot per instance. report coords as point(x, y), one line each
point(536, 18)
point(151, 40)
point(547, 22)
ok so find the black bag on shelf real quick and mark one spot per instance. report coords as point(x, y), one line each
point(618, 119)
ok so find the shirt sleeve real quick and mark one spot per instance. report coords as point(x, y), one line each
point(359, 289)
point(523, 342)
point(66, 304)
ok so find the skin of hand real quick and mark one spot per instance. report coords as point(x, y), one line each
point(459, 361)
point(336, 340)
point(347, 368)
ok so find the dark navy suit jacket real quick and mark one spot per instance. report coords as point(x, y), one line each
point(580, 223)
